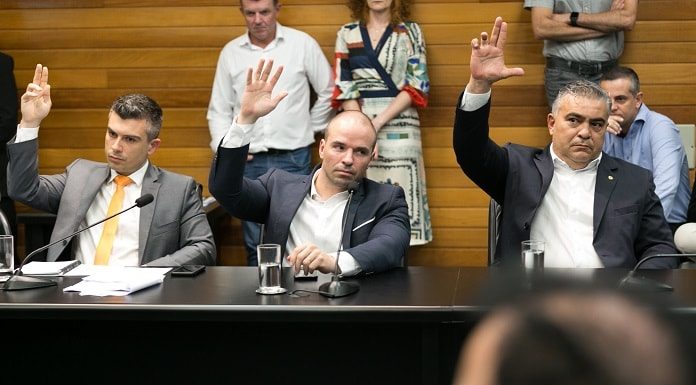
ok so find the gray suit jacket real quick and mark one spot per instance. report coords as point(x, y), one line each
point(377, 226)
point(173, 229)
point(628, 220)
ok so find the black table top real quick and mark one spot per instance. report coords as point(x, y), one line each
point(412, 294)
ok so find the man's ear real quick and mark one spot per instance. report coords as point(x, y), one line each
point(322, 145)
point(153, 146)
point(550, 123)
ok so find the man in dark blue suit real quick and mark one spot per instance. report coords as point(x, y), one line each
point(304, 213)
point(591, 209)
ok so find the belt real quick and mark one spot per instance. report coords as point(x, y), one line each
point(581, 68)
point(273, 151)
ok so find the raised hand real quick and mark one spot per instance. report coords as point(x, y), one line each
point(487, 60)
point(36, 101)
point(256, 100)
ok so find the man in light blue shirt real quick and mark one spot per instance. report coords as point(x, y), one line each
point(648, 139)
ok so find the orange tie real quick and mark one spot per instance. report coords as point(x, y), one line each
point(109, 233)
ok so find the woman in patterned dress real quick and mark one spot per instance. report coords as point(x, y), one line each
point(381, 70)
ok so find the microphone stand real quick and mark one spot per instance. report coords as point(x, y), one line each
point(18, 281)
point(633, 281)
point(337, 288)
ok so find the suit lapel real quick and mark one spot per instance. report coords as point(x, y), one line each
point(607, 174)
point(358, 197)
point(292, 199)
point(544, 165)
point(93, 182)
point(151, 185)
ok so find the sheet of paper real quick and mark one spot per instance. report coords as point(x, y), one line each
point(118, 281)
point(85, 270)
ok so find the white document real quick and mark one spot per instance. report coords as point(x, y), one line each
point(49, 268)
point(118, 281)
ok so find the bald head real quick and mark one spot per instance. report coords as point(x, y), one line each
point(346, 151)
point(353, 120)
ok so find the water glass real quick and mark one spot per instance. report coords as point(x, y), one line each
point(270, 272)
point(6, 254)
point(533, 254)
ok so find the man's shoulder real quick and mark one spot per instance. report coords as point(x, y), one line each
point(295, 34)
point(625, 167)
point(170, 177)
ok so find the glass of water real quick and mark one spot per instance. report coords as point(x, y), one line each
point(533, 254)
point(6, 254)
point(270, 272)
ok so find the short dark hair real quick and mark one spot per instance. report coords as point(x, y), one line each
point(620, 72)
point(141, 107)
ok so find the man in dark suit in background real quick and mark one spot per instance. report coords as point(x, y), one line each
point(8, 129)
point(303, 213)
point(591, 209)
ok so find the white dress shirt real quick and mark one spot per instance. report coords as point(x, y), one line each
point(291, 125)
point(316, 221)
point(564, 220)
point(126, 242)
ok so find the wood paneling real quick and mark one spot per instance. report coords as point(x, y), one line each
point(99, 49)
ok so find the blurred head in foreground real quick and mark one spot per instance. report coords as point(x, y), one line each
point(574, 337)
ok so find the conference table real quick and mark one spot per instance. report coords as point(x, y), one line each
point(404, 326)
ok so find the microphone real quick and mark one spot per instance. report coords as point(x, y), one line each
point(21, 282)
point(337, 288)
point(633, 281)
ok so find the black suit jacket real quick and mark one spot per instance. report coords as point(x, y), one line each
point(8, 114)
point(378, 229)
point(629, 223)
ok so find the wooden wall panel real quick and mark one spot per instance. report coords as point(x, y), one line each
point(99, 49)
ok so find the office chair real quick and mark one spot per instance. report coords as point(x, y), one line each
point(494, 212)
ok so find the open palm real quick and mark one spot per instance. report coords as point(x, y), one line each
point(487, 59)
point(36, 100)
point(257, 99)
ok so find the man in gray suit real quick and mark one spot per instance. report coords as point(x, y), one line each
point(305, 214)
point(171, 231)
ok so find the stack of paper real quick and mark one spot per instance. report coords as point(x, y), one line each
point(118, 281)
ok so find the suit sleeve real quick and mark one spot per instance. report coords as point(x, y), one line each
point(481, 159)
point(242, 197)
point(8, 99)
point(389, 238)
point(196, 243)
point(24, 184)
point(655, 236)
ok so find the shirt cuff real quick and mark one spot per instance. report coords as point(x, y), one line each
point(238, 135)
point(472, 102)
point(26, 134)
point(348, 265)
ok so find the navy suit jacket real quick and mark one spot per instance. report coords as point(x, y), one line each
point(629, 223)
point(378, 230)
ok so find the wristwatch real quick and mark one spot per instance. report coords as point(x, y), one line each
point(574, 18)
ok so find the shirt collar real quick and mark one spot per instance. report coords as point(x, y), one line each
point(279, 36)
point(137, 177)
point(558, 162)
point(315, 195)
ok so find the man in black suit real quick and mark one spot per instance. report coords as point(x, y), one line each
point(8, 129)
point(303, 213)
point(591, 209)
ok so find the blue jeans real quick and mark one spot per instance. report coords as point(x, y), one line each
point(296, 162)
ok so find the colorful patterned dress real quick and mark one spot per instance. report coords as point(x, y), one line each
point(374, 76)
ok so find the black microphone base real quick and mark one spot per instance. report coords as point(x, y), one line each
point(21, 282)
point(336, 288)
point(640, 283)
